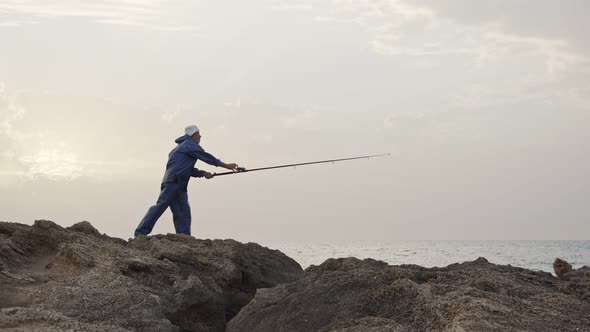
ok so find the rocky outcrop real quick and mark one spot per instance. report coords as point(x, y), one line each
point(576, 282)
point(55, 279)
point(77, 279)
point(561, 267)
point(368, 295)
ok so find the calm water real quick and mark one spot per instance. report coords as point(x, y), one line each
point(535, 255)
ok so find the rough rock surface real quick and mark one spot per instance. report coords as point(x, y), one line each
point(367, 295)
point(561, 267)
point(56, 279)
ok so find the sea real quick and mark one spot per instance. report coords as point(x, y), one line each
point(534, 255)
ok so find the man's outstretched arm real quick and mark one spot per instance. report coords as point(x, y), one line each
point(200, 154)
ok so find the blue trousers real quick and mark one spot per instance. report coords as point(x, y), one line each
point(174, 196)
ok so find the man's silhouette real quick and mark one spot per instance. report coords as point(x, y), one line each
point(179, 169)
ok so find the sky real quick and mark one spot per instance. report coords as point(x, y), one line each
point(483, 105)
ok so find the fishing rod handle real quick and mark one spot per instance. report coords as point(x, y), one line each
point(238, 170)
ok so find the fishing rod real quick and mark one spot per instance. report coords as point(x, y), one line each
point(244, 170)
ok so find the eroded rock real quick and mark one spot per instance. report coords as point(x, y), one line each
point(349, 294)
point(37, 320)
point(79, 279)
point(56, 279)
point(561, 267)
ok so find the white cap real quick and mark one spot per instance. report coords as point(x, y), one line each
point(191, 130)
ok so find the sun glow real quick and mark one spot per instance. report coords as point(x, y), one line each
point(55, 164)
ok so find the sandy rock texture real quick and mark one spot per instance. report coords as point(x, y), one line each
point(77, 279)
point(366, 295)
point(55, 279)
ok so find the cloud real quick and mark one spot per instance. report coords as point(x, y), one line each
point(10, 112)
point(291, 5)
point(478, 34)
point(552, 20)
point(558, 57)
point(16, 23)
point(496, 62)
point(152, 14)
point(53, 163)
point(233, 104)
point(299, 118)
point(36, 144)
point(61, 163)
point(398, 28)
point(171, 115)
point(391, 120)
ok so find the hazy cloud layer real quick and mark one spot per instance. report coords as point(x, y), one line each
point(153, 14)
point(483, 105)
point(494, 49)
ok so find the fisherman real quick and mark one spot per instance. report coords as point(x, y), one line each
point(173, 194)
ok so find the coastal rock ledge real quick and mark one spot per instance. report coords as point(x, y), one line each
point(349, 294)
point(77, 279)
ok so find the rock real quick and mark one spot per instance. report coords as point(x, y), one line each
point(349, 294)
point(85, 227)
point(36, 320)
point(55, 279)
point(77, 279)
point(561, 267)
point(576, 282)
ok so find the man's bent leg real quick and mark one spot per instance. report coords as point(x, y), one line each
point(181, 213)
point(169, 192)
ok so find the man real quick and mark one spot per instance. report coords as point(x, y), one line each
point(173, 194)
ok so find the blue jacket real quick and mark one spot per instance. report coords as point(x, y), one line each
point(182, 159)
